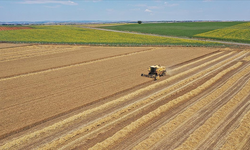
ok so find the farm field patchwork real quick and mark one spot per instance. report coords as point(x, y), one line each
point(188, 29)
point(228, 31)
point(85, 97)
point(77, 35)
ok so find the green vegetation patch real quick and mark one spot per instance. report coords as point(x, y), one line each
point(237, 33)
point(189, 29)
point(76, 35)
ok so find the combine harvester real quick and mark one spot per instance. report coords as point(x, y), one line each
point(155, 72)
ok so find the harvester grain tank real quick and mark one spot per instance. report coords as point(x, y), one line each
point(155, 72)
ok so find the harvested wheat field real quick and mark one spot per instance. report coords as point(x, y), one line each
point(86, 97)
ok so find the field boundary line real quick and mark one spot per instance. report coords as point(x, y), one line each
point(194, 39)
point(17, 46)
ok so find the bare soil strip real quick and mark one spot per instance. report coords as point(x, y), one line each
point(72, 65)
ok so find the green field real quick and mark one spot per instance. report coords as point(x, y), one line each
point(181, 29)
point(76, 35)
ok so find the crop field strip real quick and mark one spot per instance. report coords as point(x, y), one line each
point(238, 33)
point(37, 100)
point(76, 35)
point(85, 51)
point(224, 31)
point(75, 65)
point(29, 137)
point(16, 53)
point(188, 29)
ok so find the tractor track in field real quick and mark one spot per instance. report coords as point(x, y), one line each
point(205, 40)
point(134, 118)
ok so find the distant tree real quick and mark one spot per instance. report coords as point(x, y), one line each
point(139, 22)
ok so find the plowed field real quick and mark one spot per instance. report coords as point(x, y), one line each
point(80, 97)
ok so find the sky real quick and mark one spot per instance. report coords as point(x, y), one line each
point(123, 10)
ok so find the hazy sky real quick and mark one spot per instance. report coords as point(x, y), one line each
point(114, 10)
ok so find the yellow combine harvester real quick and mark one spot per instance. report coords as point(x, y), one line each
point(155, 72)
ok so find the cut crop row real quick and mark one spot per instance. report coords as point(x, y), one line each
point(239, 137)
point(197, 137)
point(177, 121)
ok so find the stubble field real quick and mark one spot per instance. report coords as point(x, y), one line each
point(83, 97)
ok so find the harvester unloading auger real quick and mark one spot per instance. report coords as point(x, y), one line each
point(155, 72)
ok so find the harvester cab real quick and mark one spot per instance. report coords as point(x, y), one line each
point(155, 72)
